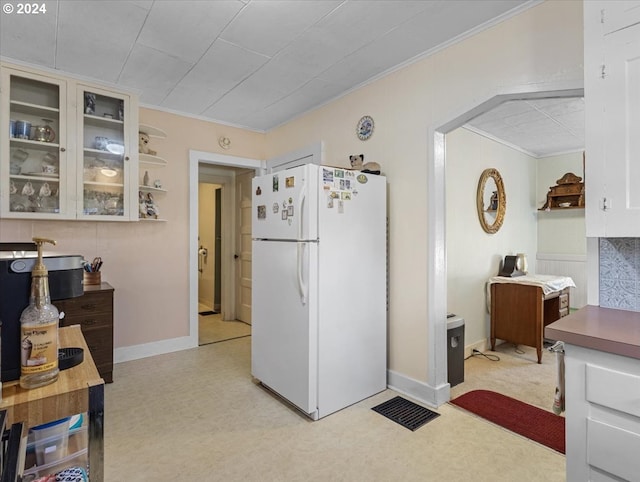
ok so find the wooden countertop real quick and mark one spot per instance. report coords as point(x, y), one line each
point(66, 396)
point(103, 286)
point(603, 329)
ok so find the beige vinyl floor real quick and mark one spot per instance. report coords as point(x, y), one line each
point(197, 415)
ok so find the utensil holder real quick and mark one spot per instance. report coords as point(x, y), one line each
point(92, 278)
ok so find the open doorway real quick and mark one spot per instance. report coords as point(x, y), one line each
point(437, 274)
point(222, 228)
point(219, 170)
point(234, 174)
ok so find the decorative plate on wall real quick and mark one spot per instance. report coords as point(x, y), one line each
point(365, 128)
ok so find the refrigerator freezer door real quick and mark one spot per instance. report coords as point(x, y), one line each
point(285, 205)
point(284, 321)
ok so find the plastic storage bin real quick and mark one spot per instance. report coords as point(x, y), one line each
point(455, 349)
point(51, 440)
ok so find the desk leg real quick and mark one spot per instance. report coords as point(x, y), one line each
point(96, 433)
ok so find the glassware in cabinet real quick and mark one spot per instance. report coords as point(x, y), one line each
point(34, 167)
point(106, 166)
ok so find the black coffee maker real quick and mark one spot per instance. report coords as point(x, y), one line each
point(16, 262)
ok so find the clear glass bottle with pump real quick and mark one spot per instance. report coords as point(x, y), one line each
point(39, 329)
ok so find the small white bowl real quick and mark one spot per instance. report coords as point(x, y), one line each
point(564, 205)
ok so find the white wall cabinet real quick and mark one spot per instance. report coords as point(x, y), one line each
point(612, 118)
point(602, 415)
point(66, 149)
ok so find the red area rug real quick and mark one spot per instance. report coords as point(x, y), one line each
point(519, 417)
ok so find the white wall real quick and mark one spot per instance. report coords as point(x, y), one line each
point(562, 242)
point(474, 256)
point(561, 231)
point(539, 47)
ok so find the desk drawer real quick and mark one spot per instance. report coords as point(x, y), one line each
point(564, 301)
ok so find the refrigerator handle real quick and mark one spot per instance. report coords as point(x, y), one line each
point(303, 198)
point(301, 286)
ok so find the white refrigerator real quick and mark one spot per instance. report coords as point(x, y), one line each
point(319, 286)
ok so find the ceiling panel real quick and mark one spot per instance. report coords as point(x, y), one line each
point(303, 99)
point(222, 68)
point(257, 64)
point(199, 24)
point(95, 38)
point(541, 127)
point(31, 38)
point(153, 72)
point(267, 27)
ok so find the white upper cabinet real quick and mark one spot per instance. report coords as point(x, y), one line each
point(65, 149)
point(612, 118)
point(104, 144)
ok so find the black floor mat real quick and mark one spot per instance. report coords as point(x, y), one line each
point(207, 313)
point(406, 413)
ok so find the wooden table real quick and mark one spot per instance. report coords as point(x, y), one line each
point(519, 313)
point(78, 389)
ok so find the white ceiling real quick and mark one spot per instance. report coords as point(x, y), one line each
point(540, 127)
point(254, 64)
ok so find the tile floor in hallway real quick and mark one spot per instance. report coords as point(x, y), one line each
point(198, 415)
point(213, 329)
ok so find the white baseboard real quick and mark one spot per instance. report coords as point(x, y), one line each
point(136, 352)
point(418, 390)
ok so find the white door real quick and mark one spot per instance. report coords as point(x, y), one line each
point(284, 330)
point(243, 249)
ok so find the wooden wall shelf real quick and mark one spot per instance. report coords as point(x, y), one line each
point(566, 194)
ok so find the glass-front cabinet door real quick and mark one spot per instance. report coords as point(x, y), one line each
point(103, 143)
point(34, 172)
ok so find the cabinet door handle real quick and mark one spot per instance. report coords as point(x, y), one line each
point(89, 322)
point(62, 149)
point(126, 158)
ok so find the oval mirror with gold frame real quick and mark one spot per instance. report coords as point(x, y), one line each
point(491, 200)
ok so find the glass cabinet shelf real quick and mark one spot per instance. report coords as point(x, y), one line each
point(33, 109)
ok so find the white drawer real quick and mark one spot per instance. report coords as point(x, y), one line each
point(613, 450)
point(613, 389)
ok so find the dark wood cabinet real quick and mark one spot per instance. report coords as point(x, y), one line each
point(93, 311)
point(520, 312)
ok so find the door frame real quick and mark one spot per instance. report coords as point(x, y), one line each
point(228, 267)
point(436, 213)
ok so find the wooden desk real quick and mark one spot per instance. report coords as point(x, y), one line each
point(519, 313)
point(78, 389)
